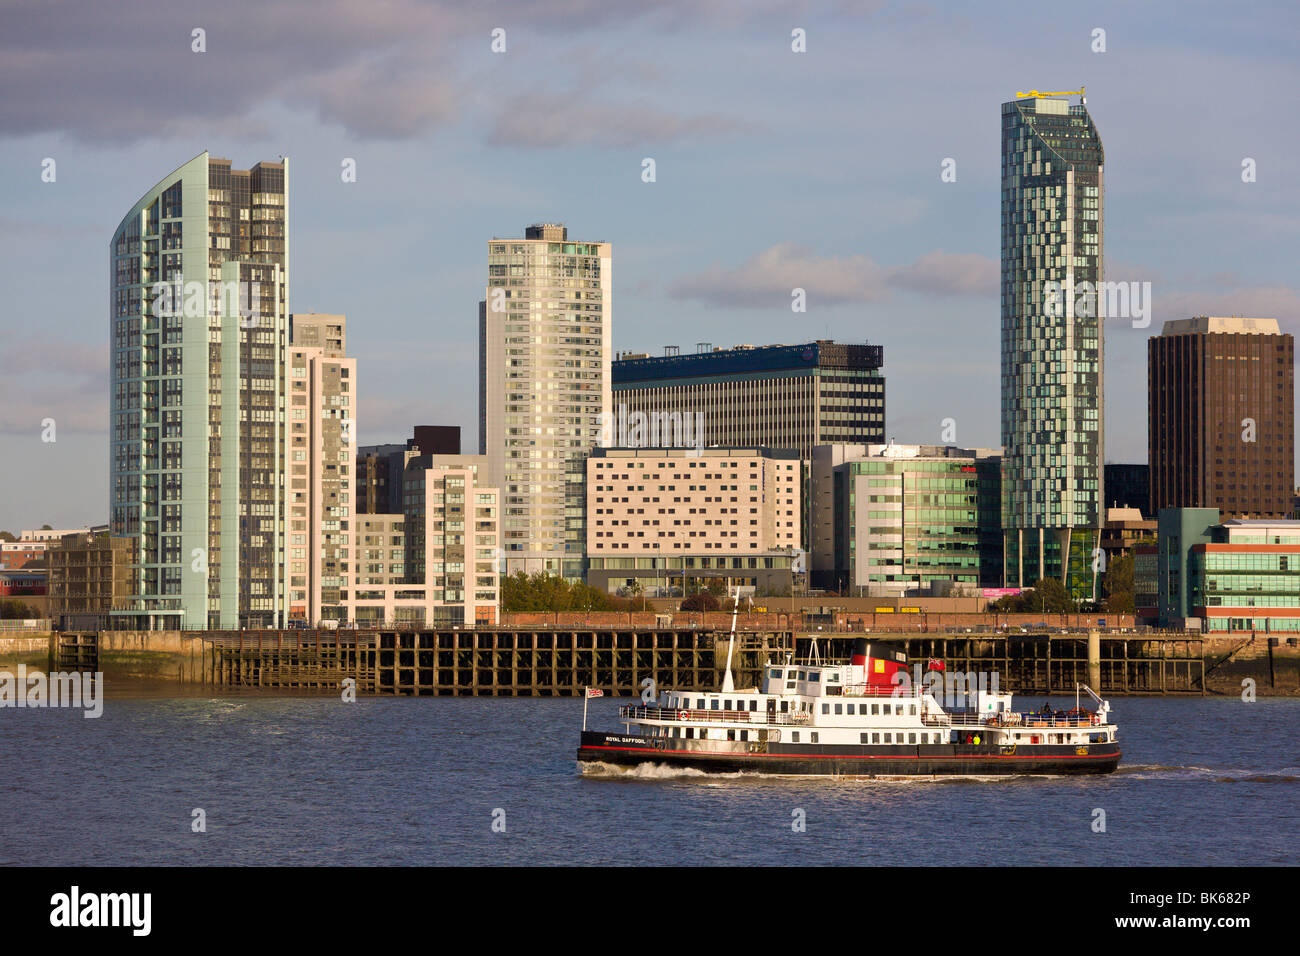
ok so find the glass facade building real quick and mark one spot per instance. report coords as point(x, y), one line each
point(198, 324)
point(1052, 341)
point(893, 519)
point(1236, 575)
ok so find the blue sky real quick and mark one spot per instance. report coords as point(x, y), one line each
point(774, 169)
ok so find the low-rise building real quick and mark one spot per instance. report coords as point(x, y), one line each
point(664, 518)
point(896, 519)
point(90, 575)
point(17, 554)
point(1237, 575)
point(1125, 528)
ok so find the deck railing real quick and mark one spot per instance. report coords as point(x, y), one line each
point(693, 715)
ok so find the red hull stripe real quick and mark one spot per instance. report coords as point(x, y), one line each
point(698, 753)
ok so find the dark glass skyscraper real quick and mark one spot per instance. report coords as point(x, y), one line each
point(1052, 413)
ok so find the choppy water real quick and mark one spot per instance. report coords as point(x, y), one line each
point(400, 781)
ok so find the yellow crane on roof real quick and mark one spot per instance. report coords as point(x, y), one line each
point(1079, 92)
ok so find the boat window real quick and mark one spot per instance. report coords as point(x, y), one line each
point(775, 673)
point(744, 735)
point(785, 706)
point(826, 708)
point(715, 703)
point(814, 737)
point(753, 704)
point(875, 708)
point(875, 738)
point(690, 731)
point(886, 708)
point(815, 675)
point(789, 685)
point(832, 678)
point(863, 737)
point(912, 710)
point(911, 738)
point(839, 708)
point(889, 738)
point(794, 736)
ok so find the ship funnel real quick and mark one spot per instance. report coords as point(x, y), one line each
point(860, 646)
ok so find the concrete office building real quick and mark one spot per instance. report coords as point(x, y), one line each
point(1221, 416)
point(775, 396)
point(198, 326)
point(890, 520)
point(664, 517)
point(320, 461)
point(1052, 341)
point(544, 383)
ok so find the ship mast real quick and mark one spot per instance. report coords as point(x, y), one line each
point(729, 685)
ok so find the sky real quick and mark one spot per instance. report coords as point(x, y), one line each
point(774, 169)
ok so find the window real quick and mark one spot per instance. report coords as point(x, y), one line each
point(863, 737)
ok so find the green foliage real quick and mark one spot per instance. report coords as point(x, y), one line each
point(704, 601)
point(548, 592)
point(8, 536)
point(13, 610)
point(1048, 596)
point(1118, 585)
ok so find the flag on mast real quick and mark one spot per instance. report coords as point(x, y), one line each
point(593, 692)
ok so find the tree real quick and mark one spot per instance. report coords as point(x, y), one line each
point(11, 610)
point(8, 536)
point(637, 593)
point(46, 527)
point(1048, 596)
point(549, 592)
point(703, 601)
point(1118, 585)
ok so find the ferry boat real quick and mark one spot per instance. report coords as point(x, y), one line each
point(856, 720)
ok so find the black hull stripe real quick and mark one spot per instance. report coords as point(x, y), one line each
point(719, 755)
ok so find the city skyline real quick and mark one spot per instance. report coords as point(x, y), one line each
point(748, 202)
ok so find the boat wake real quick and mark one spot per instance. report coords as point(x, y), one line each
point(1208, 774)
point(642, 771)
point(656, 771)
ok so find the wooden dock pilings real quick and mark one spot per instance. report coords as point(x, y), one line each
point(560, 662)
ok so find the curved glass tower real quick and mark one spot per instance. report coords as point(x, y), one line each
point(1052, 343)
point(198, 318)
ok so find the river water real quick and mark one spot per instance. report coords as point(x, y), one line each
point(423, 781)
